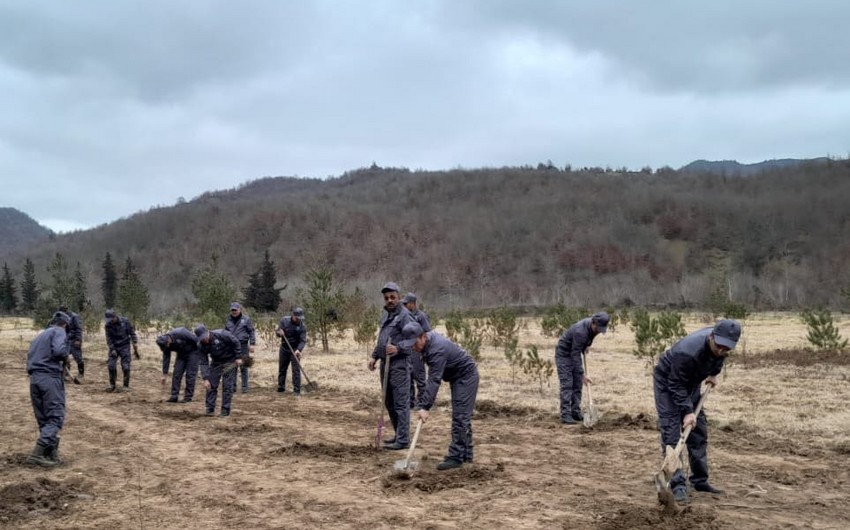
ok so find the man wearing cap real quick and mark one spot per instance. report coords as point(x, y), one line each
point(243, 329)
point(221, 356)
point(417, 368)
point(393, 320)
point(75, 344)
point(677, 381)
point(446, 361)
point(568, 359)
point(293, 338)
point(45, 365)
point(119, 335)
point(185, 344)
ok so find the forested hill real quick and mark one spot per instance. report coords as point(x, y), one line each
point(18, 230)
point(487, 237)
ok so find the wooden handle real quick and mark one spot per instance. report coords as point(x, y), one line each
point(413, 443)
point(689, 428)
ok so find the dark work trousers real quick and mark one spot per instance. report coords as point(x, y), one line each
point(570, 374)
point(398, 397)
point(417, 378)
point(47, 393)
point(285, 357)
point(185, 364)
point(77, 353)
point(228, 384)
point(243, 370)
point(670, 424)
point(464, 390)
point(122, 352)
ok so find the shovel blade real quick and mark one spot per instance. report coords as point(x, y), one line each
point(671, 463)
point(406, 466)
point(311, 387)
point(591, 417)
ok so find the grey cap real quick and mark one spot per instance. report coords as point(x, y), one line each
point(391, 286)
point(298, 312)
point(235, 305)
point(601, 320)
point(409, 333)
point(109, 315)
point(61, 318)
point(727, 332)
point(408, 298)
point(201, 331)
point(162, 341)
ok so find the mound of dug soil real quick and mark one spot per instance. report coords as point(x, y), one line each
point(636, 517)
point(432, 481)
point(339, 452)
point(41, 498)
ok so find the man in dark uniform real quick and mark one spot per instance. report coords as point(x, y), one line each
point(45, 365)
point(221, 356)
point(240, 325)
point(75, 344)
point(185, 344)
point(293, 338)
point(677, 380)
point(568, 356)
point(446, 361)
point(119, 335)
point(393, 320)
point(417, 368)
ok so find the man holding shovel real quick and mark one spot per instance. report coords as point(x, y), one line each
point(293, 338)
point(568, 359)
point(446, 361)
point(677, 381)
point(395, 359)
point(417, 369)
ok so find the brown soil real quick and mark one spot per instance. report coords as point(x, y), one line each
point(791, 357)
point(132, 460)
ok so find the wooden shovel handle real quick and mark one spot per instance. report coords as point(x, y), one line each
point(689, 428)
point(413, 443)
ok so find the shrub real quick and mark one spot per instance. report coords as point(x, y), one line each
point(655, 335)
point(823, 334)
point(560, 317)
point(503, 326)
point(538, 369)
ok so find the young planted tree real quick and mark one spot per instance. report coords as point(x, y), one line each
point(653, 336)
point(822, 333)
point(540, 370)
point(213, 290)
point(323, 297)
point(60, 289)
point(109, 282)
point(8, 291)
point(133, 297)
point(261, 293)
point(503, 326)
point(365, 331)
point(29, 288)
point(79, 291)
point(560, 317)
point(514, 357)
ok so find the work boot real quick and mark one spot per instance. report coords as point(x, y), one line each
point(110, 388)
point(186, 400)
point(395, 446)
point(680, 493)
point(209, 412)
point(172, 399)
point(281, 389)
point(52, 452)
point(79, 379)
point(705, 487)
point(39, 457)
point(389, 441)
point(568, 420)
point(449, 463)
point(126, 381)
point(578, 416)
point(122, 389)
point(112, 375)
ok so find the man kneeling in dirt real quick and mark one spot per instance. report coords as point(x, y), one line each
point(223, 348)
point(46, 360)
point(446, 361)
point(185, 344)
point(568, 356)
point(677, 380)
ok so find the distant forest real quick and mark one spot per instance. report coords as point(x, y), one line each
point(526, 236)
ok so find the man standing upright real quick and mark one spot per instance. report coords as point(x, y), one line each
point(293, 339)
point(119, 335)
point(394, 359)
point(240, 325)
point(185, 344)
point(75, 344)
point(221, 356)
point(45, 365)
point(417, 366)
point(568, 356)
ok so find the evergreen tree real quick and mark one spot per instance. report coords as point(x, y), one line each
point(261, 293)
point(133, 298)
point(109, 283)
point(79, 292)
point(29, 288)
point(8, 297)
point(213, 290)
point(324, 297)
point(60, 288)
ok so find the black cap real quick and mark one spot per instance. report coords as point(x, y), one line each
point(61, 318)
point(391, 286)
point(162, 341)
point(727, 333)
point(109, 315)
point(409, 333)
point(201, 331)
point(408, 298)
point(298, 312)
point(235, 305)
point(601, 320)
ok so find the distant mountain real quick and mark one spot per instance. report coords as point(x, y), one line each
point(18, 230)
point(735, 168)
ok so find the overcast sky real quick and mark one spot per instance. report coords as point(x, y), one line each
point(108, 108)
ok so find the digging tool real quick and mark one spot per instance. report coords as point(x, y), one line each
point(672, 461)
point(311, 386)
point(407, 466)
point(380, 433)
point(591, 416)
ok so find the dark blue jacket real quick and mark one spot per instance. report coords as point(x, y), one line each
point(295, 334)
point(223, 347)
point(242, 328)
point(576, 340)
point(682, 369)
point(119, 333)
point(183, 343)
point(48, 351)
point(75, 328)
point(446, 361)
point(422, 319)
point(390, 331)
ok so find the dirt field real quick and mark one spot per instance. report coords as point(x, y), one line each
point(779, 431)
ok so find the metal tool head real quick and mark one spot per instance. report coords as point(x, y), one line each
point(406, 466)
point(311, 387)
point(590, 417)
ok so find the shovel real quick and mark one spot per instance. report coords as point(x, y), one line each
point(311, 386)
point(407, 466)
point(591, 416)
point(380, 433)
point(672, 461)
